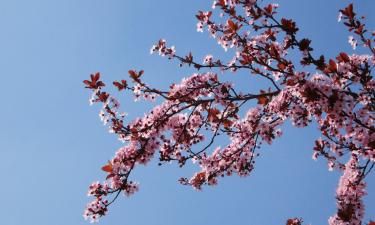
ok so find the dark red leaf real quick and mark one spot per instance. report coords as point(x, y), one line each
point(108, 168)
point(343, 57)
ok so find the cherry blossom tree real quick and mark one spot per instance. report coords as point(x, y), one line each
point(337, 94)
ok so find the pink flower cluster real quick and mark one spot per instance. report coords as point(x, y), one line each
point(98, 207)
point(349, 195)
point(161, 48)
point(338, 96)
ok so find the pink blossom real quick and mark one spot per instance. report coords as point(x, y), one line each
point(336, 95)
point(352, 42)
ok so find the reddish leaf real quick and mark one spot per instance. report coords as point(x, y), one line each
point(233, 26)
point(343, 57)
point(200, 15)
point(88, 83)
point(348, 11)
point(200, 176)
point(304, 44)
point(189, 58)
point(332, 66)
point(99, 84)
point(103, 96)
point(108, 168)
point(294, 221)
point(118, 85)
point(268, 8)
point(109, 176)
point(227, 123)
point(95, 77)
point(320, 63)
point(94, 83)
point(359, 30)
point(289, 26)
point(262, 100)
point(281, 66)
point(132, 74)
point(121, 85)
point(213, 114)
point(291, 82)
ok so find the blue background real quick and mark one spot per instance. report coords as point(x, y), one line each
point(52, 143)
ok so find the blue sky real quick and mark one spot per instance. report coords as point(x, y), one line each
point(52, 143)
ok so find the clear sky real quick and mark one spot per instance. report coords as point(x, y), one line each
point(52, 143)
